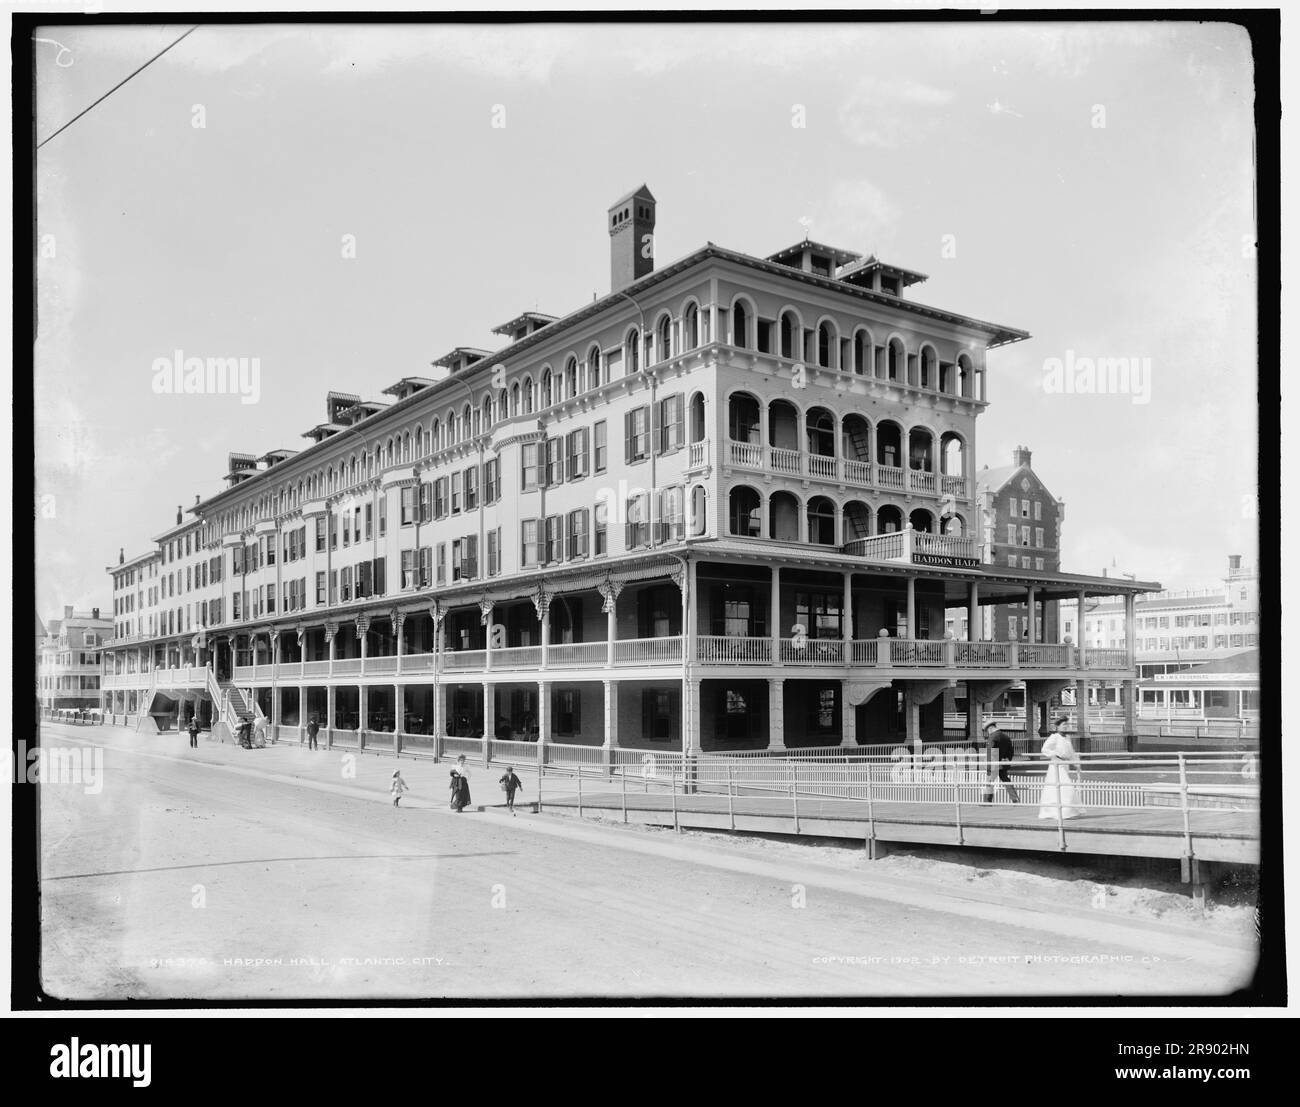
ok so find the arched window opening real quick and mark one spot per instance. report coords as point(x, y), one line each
point(819, 425)
point(740, 326)
point(743, 421)
point(825, 344)
point(922, 521)
point(821, 521)
point(789, 327)
point(663, 338)
point(889, 445)
point(857, 520)
point(692, 323)
point(632, 352)
point(856, 439)
point(783, 517)
point(744, 510)
point(889, 519)
point(697, 418)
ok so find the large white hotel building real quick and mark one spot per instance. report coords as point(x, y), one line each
point(727, 506)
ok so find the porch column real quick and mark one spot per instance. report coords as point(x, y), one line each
point(543, 713)
point(776, 714)
point(1130, 686)
point(912, 721)
point(690, 715)
point(973, 612)
point(276, 709)
point(974, 717)
point(303, 717)
point(1081, 685)
point(489, 717)
point(542, 606)
point(848, 617)
point(486, 607)
point(609, 594)
point(363, 636)
point(611, 715)
point(848, 718)
point(911, 607)
point(331, 633)
point(363, 714)
point(1031, 731)
point(774, 611)
point(399, 715)
point(1033, 613)
point(329, 716)
point(398, 623)
point(275, 654)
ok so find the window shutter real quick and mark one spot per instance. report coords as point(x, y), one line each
point(629, 436)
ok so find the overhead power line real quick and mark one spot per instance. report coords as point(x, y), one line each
point(119, 84)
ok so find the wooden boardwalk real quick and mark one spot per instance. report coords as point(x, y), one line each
point(1209, 834)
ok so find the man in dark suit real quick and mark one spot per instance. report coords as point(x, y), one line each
point(1000, 752)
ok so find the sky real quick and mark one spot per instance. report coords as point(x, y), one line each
point(1090, 183)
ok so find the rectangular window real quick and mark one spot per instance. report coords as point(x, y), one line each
point(408, 569)
point(577, 453)
point(638, 520)
point(270, 599)
point(554, 462)
point(383, 514)
point(601, 448)
point(441, 563)
point(600, 529)
point(672, 515)
point(1038, 537)
point(426, 566)
point(1038, 564)
point(1015, 506)
point(554, 538)
point(491, 481)
point(494, 552)
point(528, 544)
point(456, 492)
point(347, 530)
point(820, 613)
point(334, 532)
point(528, 466)
point(1012, 561)
point(345, 584)
point(237, 560)
point(464, 558)
point(1024, 509)
point(408, 505)
point(636, 434)
point(235, 607)
point(578, 533)
point(370, 522)
point(1038, 509)
point(363, 579)
point(268, 544)
point(471, 489)
point(672, 418)
point(1024, 536)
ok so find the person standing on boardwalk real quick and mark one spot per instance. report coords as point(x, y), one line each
point(1058, 784)
point(193, 728)
point(1000, 753)
point(313, 728)
point(510, 784)
point(398, 787)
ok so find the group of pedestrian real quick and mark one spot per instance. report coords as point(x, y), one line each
point(1059, 797)
point(459, 786)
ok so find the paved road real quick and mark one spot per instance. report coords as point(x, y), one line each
point(284, 874)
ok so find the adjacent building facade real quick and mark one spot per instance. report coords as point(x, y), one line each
point(730, 505)
point(69, 669)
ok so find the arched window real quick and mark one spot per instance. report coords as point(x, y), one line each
point(467, 419)
point(691, 320)
point(789, 333)
point(897, 362)
point(435, 432)
point(488, 415)
point(821, 521)
point(663, 338)
point(740, 325)
point(744, 512)
point(571, 378)
point(699, 511)
point(515, 406)
point(593, 368)
point(419, 442)
point(861, 353)
point(547, 399)
point(889, 519)
point(826, 342)
point(632, 351)
point(783, 517)
point(819, 426)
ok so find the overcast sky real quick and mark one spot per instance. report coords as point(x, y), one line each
point(1128, 239)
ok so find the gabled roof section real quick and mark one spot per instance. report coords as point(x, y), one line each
point(996, 479)
point(528, 322)
point(863, 268)
point(460, 357)
point(642, 193)
point(351, 416)
point(274, 457)
point(408, 386)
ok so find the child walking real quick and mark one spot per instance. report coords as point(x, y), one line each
point(398, 787)
point(510, 784)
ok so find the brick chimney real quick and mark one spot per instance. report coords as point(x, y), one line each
point(67, 611)
point(1021, 456)
point(94, 613)
point(1234, 562)
point(631, 224)
point(179, 510)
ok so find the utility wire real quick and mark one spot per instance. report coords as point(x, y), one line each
point(119, 84)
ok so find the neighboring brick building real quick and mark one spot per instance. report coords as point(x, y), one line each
point(1020, 524)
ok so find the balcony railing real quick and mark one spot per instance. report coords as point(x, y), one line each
point(464, 659)
point(1107, 659)
point(879, 547)
point(315, 668)
point(344, 665)
point(922, 481)
point(857, 472)
point(646, 651)
point(383, 664)
point(578, 653)
point(975, 655)
point(722, 650)
point(821, 466)
point(699, 455)
point(888, 476)
point(747, 454)
point(812, 651)
point(784, 461)
point(517, 657)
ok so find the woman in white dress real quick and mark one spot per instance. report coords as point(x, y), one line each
point(1058, 784)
